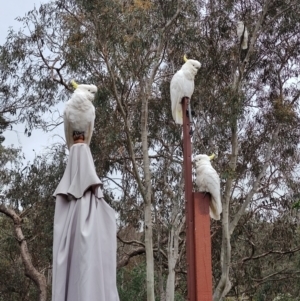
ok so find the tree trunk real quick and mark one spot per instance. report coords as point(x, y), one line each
point(224, 284)
point(147, 200)
point(30, 271)
point(173, 254)
point(172, 258)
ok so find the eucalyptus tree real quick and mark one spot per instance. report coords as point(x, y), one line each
point(249, 103)
point(99, 41)
point(27, 208)
point(246, 104)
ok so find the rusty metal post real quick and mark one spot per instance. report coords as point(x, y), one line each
point(189, 206)
point(198, 241)
point(202, 246)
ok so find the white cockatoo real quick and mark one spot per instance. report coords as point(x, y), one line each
point(208, 180)
point(242, 34)
point(182, 85)
point(79, 114)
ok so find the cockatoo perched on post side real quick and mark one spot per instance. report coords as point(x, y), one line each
point(208, 180)
point(242, 34)
point(79, 114)
point(182, 85)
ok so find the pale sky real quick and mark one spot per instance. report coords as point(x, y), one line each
point(39, 140)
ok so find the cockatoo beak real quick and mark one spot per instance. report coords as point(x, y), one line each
point(185, 58)
point(211, 157)
point(74, 84)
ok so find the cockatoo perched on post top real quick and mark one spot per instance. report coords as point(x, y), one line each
point(242, 34)
point(79, 114)
point(182, 85)
point(208, 180)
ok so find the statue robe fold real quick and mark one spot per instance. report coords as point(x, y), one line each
point(84, 245)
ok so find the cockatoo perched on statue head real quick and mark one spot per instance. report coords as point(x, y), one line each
point(242, 34)
point(208, 180)
point(182, 85)
point(79, 114)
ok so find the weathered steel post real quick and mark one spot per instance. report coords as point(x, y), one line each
point(203, 268)
point(198, 244)
point(189, 206)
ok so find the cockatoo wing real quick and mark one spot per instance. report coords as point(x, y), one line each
point(68, 129)
point(180, 87)
point(89, 132)
point(208, 180)
point(176, 94)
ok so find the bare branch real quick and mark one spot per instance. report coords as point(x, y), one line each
point(130, 242)
point(30, 271)
point(270, 253)
point(126, 258)
point(255, 186)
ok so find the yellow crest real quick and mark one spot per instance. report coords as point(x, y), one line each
point(185, 58)
point(211, 157)
point(74, 84)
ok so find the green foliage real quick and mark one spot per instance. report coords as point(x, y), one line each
point(3, 125)
point(132, 283)
point(296, 205)
point(117, 45)
point(285, 297)
point(29, 191)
